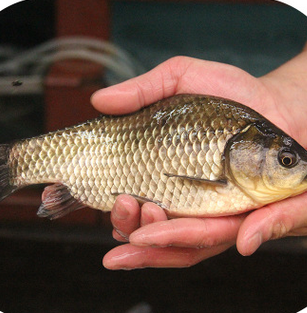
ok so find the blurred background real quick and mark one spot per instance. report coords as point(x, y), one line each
point(53, 55)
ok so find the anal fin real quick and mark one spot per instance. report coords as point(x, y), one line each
point(219, 182)
point(57, 202)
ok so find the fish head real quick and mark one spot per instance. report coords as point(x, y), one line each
point(266, 164)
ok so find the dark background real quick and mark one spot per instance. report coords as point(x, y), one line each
point(56, 277)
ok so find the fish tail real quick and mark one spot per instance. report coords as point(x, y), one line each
point(6, 187)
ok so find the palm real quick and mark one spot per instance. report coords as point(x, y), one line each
point(187, 241)
point(233, 83)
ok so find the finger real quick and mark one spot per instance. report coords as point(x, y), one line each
point(131, 257)
point(131, 95)
point(174, 76)
point(284, 218)
point(152, 213)
point(125, 217)
point(149, 213)
point(188, 232)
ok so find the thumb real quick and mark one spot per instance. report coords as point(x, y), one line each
point(133, 94)
point(179, 75)
point(281, 219)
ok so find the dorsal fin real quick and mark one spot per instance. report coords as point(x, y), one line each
point(57, 202)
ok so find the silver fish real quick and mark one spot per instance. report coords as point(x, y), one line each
point(193, 155)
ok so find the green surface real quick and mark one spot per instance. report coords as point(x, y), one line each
point(255, 37)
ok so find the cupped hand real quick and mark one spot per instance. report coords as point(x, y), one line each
point(155, 241)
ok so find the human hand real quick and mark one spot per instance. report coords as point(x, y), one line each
point(153, 239)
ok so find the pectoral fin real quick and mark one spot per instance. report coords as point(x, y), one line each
point(57, 202)
point(141, 199)
point(219, 182)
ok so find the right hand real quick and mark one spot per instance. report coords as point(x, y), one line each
point(153, 239)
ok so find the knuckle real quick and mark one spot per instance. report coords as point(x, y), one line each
point(279, 223)
point(177, 65)
point(205, 239)
point(177, 59)
point(280, 229)
point(281, 226)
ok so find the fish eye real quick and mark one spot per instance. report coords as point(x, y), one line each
point(287, 158)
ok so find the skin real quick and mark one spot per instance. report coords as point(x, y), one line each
point(152, 240)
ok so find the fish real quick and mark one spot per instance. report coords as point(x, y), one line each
point(192, 155)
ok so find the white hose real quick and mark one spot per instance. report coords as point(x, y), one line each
point(121, 69)
point(115, 59)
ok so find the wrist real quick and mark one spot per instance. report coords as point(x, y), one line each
point(289, 80)
point(287, 86)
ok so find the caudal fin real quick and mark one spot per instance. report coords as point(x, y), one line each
point(6, 188)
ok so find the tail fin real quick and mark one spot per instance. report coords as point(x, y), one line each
point(5, 186)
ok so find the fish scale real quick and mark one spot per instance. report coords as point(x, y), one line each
point(172, 153)
point(141, 149)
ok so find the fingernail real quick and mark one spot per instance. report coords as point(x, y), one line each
point(254, 243)
point(122, 234)
point(120, 212)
